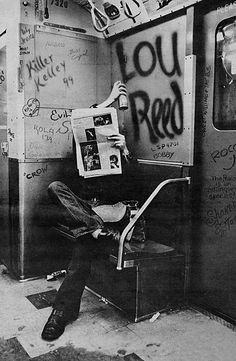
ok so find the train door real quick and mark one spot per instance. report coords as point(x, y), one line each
point(214, 249)
point(157, 64)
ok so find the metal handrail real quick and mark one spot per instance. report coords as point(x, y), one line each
point(140, 212)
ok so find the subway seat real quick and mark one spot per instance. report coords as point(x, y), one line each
point(151, 280)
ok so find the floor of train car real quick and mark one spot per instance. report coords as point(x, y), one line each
point(103, 333)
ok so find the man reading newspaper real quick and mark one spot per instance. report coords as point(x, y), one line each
point(96, 215)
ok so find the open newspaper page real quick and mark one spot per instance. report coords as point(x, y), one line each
point(95, 154)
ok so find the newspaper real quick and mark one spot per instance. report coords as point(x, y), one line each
point(95, 153)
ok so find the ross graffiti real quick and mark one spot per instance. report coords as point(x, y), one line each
point(45, 70)
point(225, 153)
point(163, 117)
point(31, 108)
point(36, 173)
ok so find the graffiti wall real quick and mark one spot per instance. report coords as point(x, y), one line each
point(214, 179)
point(58, 74)
point(152, 64)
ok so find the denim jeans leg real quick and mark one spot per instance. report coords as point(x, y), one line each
point(69, 294)
point(79, 214)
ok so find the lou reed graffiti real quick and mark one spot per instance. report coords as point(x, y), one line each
point(164, 117)
point(152, 66)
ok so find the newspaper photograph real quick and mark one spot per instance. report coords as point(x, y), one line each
point(95, 153)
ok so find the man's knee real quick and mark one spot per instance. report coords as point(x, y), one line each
point(54, 187)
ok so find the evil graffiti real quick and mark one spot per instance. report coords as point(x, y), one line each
point(60, 114)
point(163, 117)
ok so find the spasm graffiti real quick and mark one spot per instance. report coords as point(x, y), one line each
point(163, 117)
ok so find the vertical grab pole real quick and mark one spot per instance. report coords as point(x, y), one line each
point(140, 212)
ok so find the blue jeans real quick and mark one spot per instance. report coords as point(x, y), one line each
point(83, 216)
point(76, 212)
point(82, 220)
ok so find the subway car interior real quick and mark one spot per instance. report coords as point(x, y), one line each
point(167, 289)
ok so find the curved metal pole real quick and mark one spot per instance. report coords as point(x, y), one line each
point(140, 212)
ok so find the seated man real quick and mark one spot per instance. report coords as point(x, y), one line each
point(97, 204)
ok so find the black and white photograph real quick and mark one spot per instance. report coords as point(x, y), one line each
point(118, 180)
point(102, 120)
point(90, 134)
point(90, 156)
point(114, 161)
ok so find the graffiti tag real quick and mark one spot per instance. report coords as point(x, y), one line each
point(221, 219)
point(31, 109)
point(228, 153)
point(26, 34)
point(164, 117)
point(57, 114)
point(78, 54)
point(45, 70)
point(36, 173)
point(2, 77)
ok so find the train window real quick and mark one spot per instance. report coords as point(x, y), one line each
point(225, 76)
